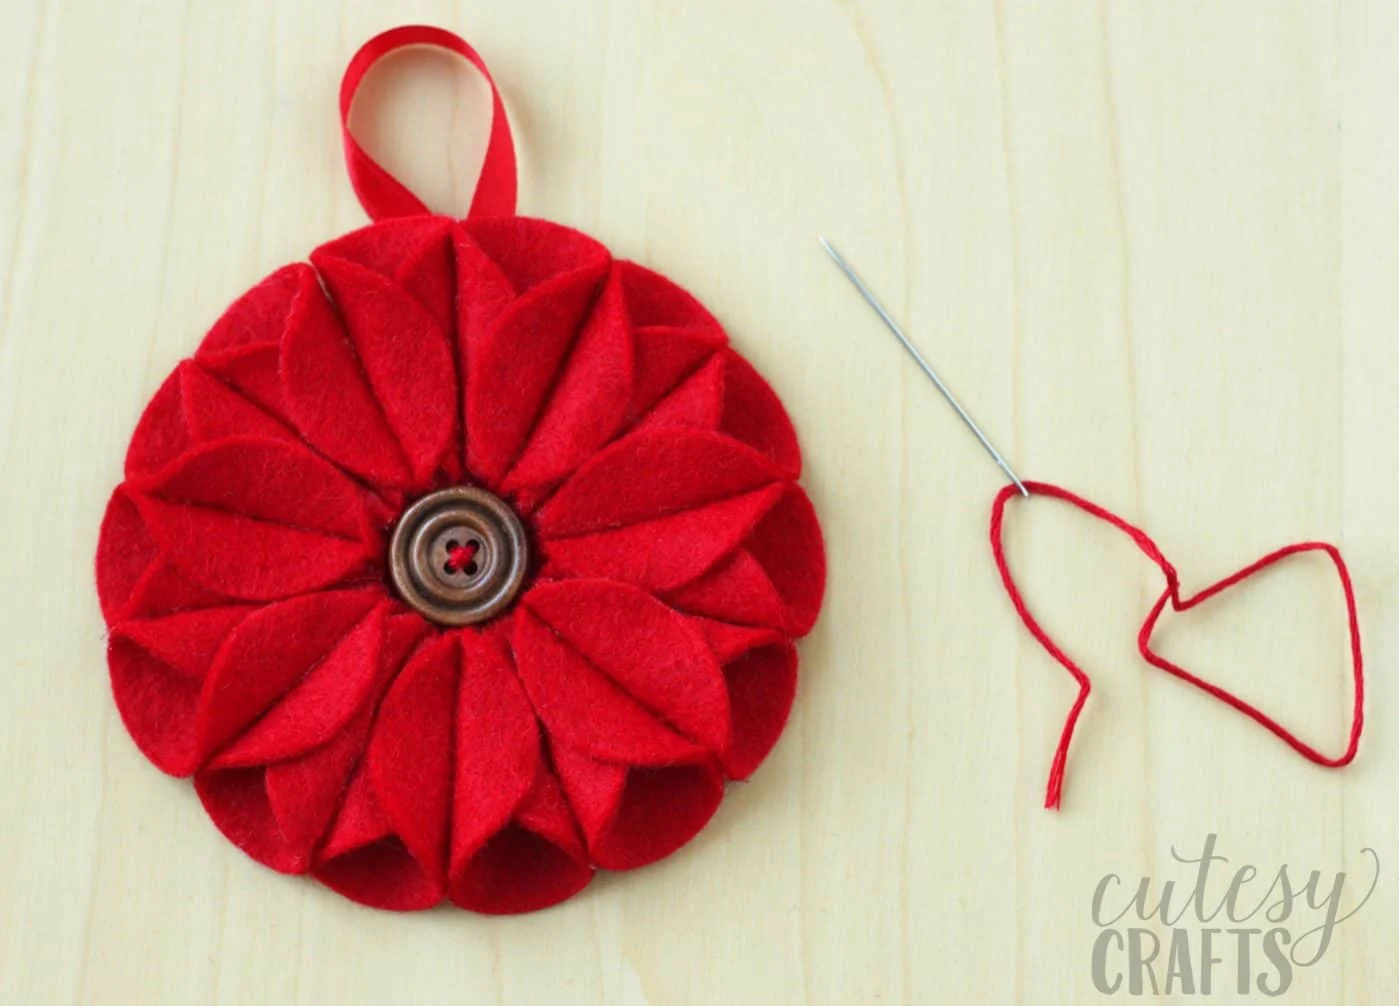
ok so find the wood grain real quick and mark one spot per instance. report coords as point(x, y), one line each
point(1152, 244)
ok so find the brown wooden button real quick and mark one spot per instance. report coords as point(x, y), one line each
point(459, 556)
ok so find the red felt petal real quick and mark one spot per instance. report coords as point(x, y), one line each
point(414, 252)
point(502, 258)
point(278, 813)
point(788, 545)
point(158, 668)
point(125, 552)
point(649, 650)
point(665, 553)
point(249, 559)
point(259, 317)
point(406, 360)
point(653, 300)
point(329, 396)
point(497, 744)
point(213, 410)
point(535, 861)
point(664, 356)
point(754, 415)
point(303, 794)
point(737, 590)
point(255, 372)
point(271, 481)
point(361, 857)
point(236, 801)
point(410, 753)
point(762, 685)
point(319, 705)
point(674, 333)
point(728, 395)
point(518, 870)
point(382, 874)
point(193, 407)
point(268, 653)
point(583, 708)
point(161, 433)
point(513, 363)
point(635, 816)
point(698, 401)
point(366, 863)
point(165, 590)
point(652, 473)
point(589, 401)
point(729, 642)
point(359, 821)
point(243, 346)
point(257, 519)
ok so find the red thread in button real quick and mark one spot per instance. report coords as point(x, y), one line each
point(460, 558)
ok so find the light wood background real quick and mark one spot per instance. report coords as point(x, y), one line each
point(1154, 246)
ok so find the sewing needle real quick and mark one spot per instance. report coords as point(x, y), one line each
point(893, 326)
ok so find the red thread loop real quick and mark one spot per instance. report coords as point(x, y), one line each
point(380, 193)
point(1171, 594)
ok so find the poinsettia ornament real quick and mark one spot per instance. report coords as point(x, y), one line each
point(461, 561)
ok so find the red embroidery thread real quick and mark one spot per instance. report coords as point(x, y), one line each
point(1171, 594)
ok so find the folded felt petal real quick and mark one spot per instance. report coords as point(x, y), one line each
point(728, 395)
point(535, 860)
point(647, 649)
point(762, 684)
point(587, 403)
point(320, 704)
point(158, 672)
point(664, 358)
point(736, 590)
point(654, 301)
point(775, 578)
point(193, 407)
point(125, 553)
point(133, 581)
point(381, 874)
point(406, 361)
point(697, 401)
point(653, 473)
point(583, 708)
point(512, 365)
point(632, 816)
point(250, 559)
point(667, 552)
point(410, 757)
point(244, 345)
point(413, 252)
point(729, 641)
point(330, 398)
point(279, 812)
point(754, 415)
point(161, 433)
point(361, 856)
point(501, 259)
point(496, 749)
point(268, 653)
point(268, 481)
point(787, 543)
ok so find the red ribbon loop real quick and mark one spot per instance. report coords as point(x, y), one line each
point(1171, 594)
point(380, 193)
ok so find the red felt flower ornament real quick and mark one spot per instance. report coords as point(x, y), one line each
point(461, 561)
